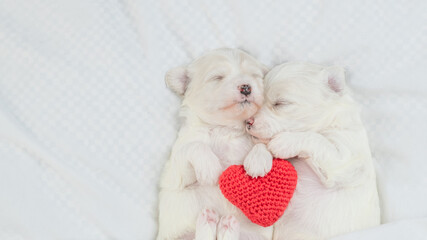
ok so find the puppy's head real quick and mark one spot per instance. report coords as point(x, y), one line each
point(301, 97)
point(223, 87)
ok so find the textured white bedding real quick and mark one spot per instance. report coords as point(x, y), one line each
point(86, 122)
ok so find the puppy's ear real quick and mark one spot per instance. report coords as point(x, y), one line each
point(335, 77)
point(177, 80)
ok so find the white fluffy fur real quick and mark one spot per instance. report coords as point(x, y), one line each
point(212, 137)
point(308, 115)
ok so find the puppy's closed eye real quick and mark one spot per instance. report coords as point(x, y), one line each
point(217, 77)
point(281, 103)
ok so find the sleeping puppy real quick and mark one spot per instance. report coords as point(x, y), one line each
point(308, 116)
point(220, 90)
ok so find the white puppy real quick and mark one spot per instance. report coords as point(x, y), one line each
point(220, 90)
point(310, 116)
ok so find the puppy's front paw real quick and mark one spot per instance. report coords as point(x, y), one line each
point(284, 145)
point(259, 161)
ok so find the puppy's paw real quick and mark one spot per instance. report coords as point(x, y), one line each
point(206, 225)
point(228, 228)
point(258, 162)
point(284, 145)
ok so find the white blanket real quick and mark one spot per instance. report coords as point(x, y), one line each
point(86, 122)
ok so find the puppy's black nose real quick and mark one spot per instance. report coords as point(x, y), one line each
point(245, 89)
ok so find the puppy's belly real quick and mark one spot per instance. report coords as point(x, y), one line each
point(316, 212)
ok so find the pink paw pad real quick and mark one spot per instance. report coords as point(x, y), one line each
point(229, 223)
point(208, 216)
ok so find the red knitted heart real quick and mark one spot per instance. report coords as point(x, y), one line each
point(263, 200)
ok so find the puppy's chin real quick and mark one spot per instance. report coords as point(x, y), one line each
point(240, 111)
point(232, 115)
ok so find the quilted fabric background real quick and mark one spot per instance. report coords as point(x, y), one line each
point(86, 122)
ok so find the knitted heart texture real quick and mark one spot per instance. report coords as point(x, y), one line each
point(264, 199)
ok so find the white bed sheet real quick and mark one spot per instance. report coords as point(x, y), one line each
point(86, 122)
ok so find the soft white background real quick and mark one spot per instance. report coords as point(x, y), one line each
point(86, 122)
